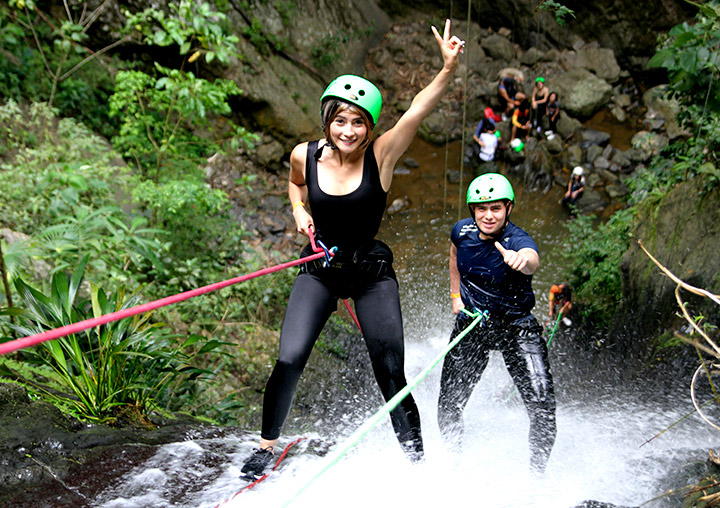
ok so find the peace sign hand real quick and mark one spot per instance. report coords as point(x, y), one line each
point(450, 46)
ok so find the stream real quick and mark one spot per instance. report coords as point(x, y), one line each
point(607, 446)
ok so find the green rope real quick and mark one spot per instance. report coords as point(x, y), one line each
point(379, 416)
point(554, 329)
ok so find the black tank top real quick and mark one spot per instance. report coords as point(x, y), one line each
point(350, 220)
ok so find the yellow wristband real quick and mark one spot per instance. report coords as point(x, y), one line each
point(454, 295)
point(298, 203)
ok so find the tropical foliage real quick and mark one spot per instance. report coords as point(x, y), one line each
point(98, 373)
point(691, 56)
point(135, 212)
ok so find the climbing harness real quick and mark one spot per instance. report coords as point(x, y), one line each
point(334, 457)
point(263, 477)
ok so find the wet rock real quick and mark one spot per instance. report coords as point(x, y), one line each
point(13, 394)
point(554, 144)
point(598, 504)
point(401, 170)
point(636, 155)
point(498, 47)
point(591, 201)
point(616, 191)
point(381, 57)
point(650, 143)
point(608, 151)
point(618, 113)
point(653, 120)
point(594, 180)
point(268, 153)
point(273, 203)
point(608, 175)
point(600, 61)
point(411, 163)
point(398, 205)
point(567, 126)
point(623, 100)
point(654, 99)
point(574, 154)
point(49, 460)
point(531, 57)
point(592, 153)
point(581, 93)
point(621, 159)
point(601, 163)
point(453, 176)
point(594, 137)
point(434, 128)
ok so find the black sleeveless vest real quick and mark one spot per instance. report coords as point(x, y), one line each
point(350, 220)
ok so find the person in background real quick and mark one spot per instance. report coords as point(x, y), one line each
point(486, 139)
point(507, 89)
point(539, 102)
point(521, 118)
point(492, 262)
point(575, 188)
point(560, 302)
point(345, 179)
point(553, 111)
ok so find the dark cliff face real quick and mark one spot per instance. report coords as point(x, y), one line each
point(628, 27)
point(682, 232)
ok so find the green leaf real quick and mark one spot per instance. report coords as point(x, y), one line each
point(710, 169)
point(689, 60)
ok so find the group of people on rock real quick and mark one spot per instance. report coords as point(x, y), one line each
point(526, 114)
point(338, 189)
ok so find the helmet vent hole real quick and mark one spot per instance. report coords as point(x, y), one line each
point(361, 92)
point(347, 86)
point(492, 189)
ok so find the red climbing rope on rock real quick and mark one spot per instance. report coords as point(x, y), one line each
point(32, 340)
point(277, 464)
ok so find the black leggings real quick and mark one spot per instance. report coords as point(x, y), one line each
point(525, 354)
point(377, 303)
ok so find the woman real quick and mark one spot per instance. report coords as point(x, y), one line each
point(539, 101)
point(346, 177)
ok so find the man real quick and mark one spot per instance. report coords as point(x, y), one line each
point(491, 266)
point(507, 87)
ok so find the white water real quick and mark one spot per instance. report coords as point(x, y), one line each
point(599, 452)
point(597, 455)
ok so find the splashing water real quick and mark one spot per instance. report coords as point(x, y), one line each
point(604, 421)
point(597, 455)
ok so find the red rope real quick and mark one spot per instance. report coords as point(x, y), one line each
point(277, 464)
point(32, 340)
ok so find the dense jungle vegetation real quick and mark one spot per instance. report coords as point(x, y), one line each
point(102, 170)
point(690, 55)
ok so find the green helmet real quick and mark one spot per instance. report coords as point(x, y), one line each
point(355, 90)
point(489, 187)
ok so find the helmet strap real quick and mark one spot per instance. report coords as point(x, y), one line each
point(318, 152)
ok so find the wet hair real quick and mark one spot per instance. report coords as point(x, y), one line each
point(333, 107)
point(556, 95)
